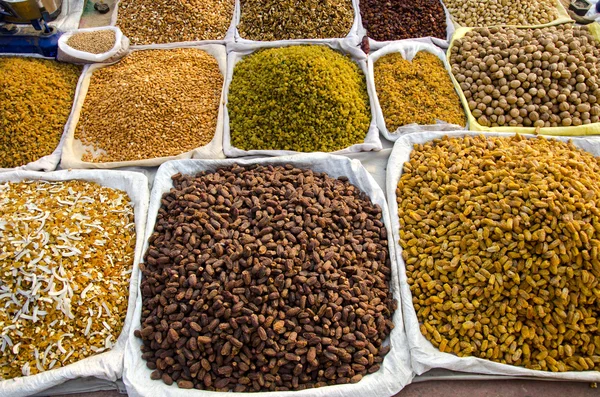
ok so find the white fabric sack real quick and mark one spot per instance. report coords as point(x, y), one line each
point(74, 150)
point(371, 141)
point(352, 36)
point(50, 162)
point(107, 365)
point(408, 49)
point(395, 371)
point(68, 53)
point(376, 45)
point(424, 355)
point(229, 35)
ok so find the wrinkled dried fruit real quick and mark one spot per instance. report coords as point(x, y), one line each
point(500, 241)
point(292, 271)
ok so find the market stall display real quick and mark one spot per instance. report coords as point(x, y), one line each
point(386, 20)
point(35, 102)
point(301, 98)
point(280, 273)
point(271, 20)
point(152, 106)
point(165, 21)
point(539, 78)
point(413, 89)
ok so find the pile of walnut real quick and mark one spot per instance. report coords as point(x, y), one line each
point(544, 77)
point(265, 278)
point(500, 239)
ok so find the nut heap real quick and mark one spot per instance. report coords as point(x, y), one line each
point(500, 240)
point(167, 21)
point(265, 278)
point(403, 19)
point(153, 103)
point(66, 253)
point(418, 91)
point(544, 77)
point(35, 102)
point(96, 42)
point(473, 13)
point(302, 98)
point(268, 20)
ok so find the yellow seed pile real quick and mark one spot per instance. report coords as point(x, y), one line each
point(153, 103)
point(418, 91)
point(36, 96)
point(96, 42)
point(66, 253)
point(501, 240)
point(172, 21)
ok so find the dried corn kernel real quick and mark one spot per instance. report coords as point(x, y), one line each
point(66, 253)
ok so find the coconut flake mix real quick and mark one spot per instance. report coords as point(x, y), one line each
point(66, 254)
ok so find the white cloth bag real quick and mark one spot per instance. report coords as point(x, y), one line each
point(408, 49)
point(73, 148)
point(395, 371)
point(69, 54)
point(238, 51)
point(424, 356)
point(107, 365)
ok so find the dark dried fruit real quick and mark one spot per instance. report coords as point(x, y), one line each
point(291, 282)
point(403, 19)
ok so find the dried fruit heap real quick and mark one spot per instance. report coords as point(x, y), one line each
point(418, 91)
point(302, 98)
point(500, 238)
point(35, 102)
point(66, 253)
point(403, 19)
point(265, 278)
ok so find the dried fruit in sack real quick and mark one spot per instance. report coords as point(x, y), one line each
point(418, 91)
point(265, 278)
point(35, 103)
point(387, 20)
point(473, 13)
point(153, 103)
point(166, 21)
point(500, 242)
point(302, 98)
point(545, 77)
point(268, 20)
point(66, 254)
